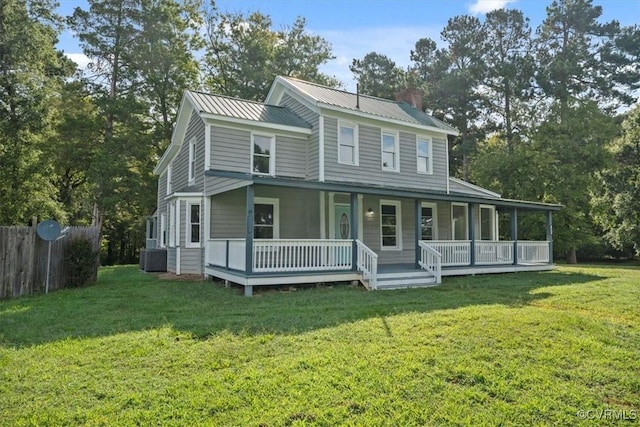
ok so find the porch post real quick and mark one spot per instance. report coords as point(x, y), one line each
point(354, 231)
point(248, 268)
point(550, 235)
point(472, 233)
point(418, 229)
point(514, 234)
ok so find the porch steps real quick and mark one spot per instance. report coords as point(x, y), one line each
point(402, 280)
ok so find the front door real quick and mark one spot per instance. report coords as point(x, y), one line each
point(342, 215)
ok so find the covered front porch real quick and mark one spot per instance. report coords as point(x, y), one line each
point(273, 231)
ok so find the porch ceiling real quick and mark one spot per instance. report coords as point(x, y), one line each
point(350, 187)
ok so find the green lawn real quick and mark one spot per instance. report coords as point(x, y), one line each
point(519, 349)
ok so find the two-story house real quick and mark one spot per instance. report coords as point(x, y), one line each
point(321, 185)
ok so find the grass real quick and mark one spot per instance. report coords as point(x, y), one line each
point(518, 349)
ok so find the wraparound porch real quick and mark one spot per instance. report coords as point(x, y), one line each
point(291, 261)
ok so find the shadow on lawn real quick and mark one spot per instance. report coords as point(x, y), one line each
point(126, 300)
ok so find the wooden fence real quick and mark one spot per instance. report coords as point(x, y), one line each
point(23, 259)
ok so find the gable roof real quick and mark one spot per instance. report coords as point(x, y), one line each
point(226, 106)
point(368, 105)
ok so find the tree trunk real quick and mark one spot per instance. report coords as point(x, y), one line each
point(571, 256)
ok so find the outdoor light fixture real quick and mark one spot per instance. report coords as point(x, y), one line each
point(369, 212)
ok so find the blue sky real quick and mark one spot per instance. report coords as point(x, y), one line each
point(356, 27)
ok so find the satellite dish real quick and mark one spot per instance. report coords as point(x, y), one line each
point(48, 230)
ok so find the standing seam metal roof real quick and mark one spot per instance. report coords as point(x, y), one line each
point(242, 109)
point(369, 104)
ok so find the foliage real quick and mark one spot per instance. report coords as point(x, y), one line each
point(378, 75)
point(243, 54)
point(484, 350)
point(81, 262)
point(616, 199)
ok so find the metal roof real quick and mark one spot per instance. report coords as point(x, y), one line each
point(248, 110)
point(368, 104)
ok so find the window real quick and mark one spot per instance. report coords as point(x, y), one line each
point(263, 155)
point(192, 160)
point(459, 221)
point(266, 223)
point(193, 224)
point(423, 155)
point(390, 225)
point(163, 230)
point(429, 225)
point(172, 224)
point(347, 143)
point(390, 151)
point(487, 222)
point(169, 179)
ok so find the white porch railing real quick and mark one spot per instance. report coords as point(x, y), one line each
point(291, 255)
point(493, 252)
point(430, 260)
point(454, 252)
point(368, 264)
point(533, 252)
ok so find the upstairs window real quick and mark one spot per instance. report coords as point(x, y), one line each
point(347, 143)
point(390, 151)
point(192, 161)
point(263, 154)
point(424, 155)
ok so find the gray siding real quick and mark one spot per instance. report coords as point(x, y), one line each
point(291, 157)
point(216, 185)
point(171, 260)
point(191, 260)
point(310, 117)
point(299, 212)
point(369, 170)
point(162, 193)
point(230, 149)
point(180, 172)
point(444, 221)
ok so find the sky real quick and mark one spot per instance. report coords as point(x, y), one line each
point(357, 27)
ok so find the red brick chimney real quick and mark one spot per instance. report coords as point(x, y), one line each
point(412, 96)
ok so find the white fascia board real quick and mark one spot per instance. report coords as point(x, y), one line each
point(184, 196)
point(177, 138)
point(245, 122)
point(332, 107)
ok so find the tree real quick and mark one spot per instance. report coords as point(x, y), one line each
point(580, 58)
point(616, 200)
point(31, 71)
point(243, 55)
point(452, 77)
point(508, 64)
point(378, 75)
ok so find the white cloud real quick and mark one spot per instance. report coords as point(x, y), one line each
point(394, 42)
point(79, 58)
point(486, 6)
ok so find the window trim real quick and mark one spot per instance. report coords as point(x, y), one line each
point(188, 243)
point(398, 206)
point(171, 225)
point(272, 153)
point(356, 144)
point(466, 219)
point(396, 136)
point(192, 160)
point(429, 141)
point(434, 210)
point(275, 202)
point(492, 215)
point(170, 178)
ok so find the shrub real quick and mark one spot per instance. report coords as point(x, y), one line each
point(81, 263)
